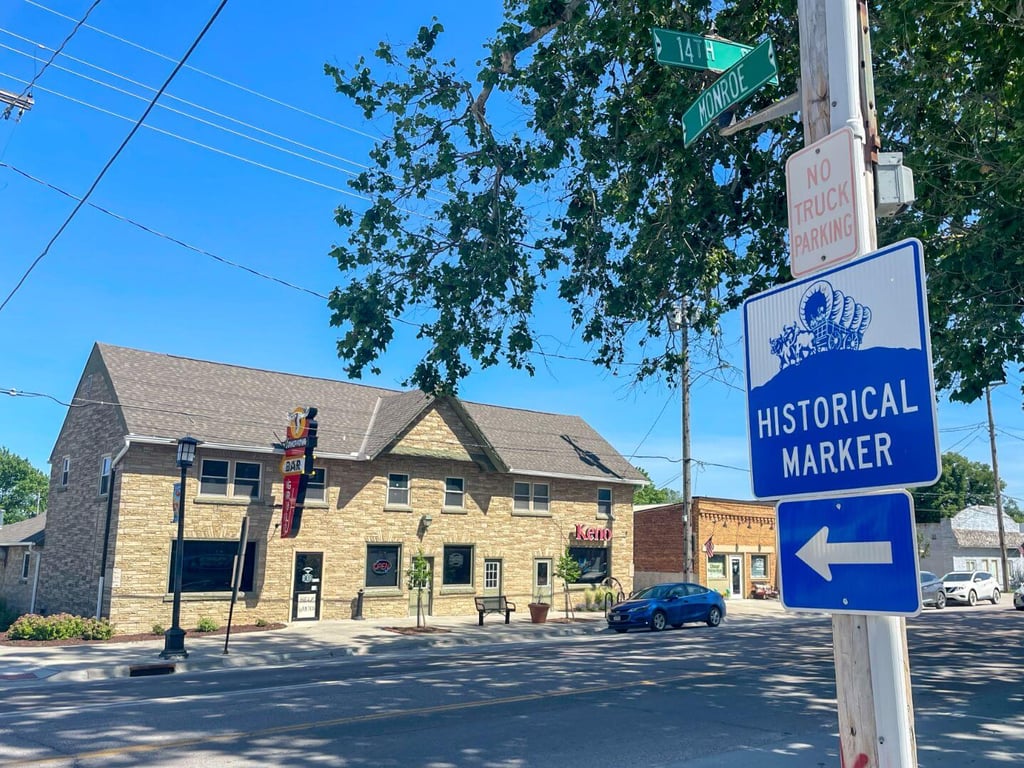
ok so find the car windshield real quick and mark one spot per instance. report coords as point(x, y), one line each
point(957, 577)
point(925, 576)
point(657, 592)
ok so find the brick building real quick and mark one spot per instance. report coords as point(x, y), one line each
point(742, 535)
point(21, 545)
point(491, 496)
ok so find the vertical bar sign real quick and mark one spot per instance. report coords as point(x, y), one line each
point(292, 467)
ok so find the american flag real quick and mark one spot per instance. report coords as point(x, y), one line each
point(709, 548)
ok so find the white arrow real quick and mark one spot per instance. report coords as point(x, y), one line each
point(819, 554)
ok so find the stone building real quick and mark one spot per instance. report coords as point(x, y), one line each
point(490, 495)
point(969, 541)
point(738, 535)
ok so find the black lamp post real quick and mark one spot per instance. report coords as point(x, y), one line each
point(174, 638)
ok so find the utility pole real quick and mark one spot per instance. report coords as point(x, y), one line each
point(871, 657)
point(684, 332)
point(999, 491)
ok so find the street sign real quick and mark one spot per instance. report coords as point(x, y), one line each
point(840, 395)
point(737, 83)
point(681, 49)
point(849, 555)
point(823, 218)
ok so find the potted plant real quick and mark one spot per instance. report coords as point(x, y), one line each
point(538, 609)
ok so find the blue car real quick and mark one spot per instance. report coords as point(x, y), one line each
point(668, 604)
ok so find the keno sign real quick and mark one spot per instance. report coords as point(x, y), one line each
point(823, 217)
point(592, 534)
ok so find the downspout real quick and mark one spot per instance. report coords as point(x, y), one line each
point(35, 580)
point(106, 537)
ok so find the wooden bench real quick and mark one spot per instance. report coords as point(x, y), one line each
point(495, 604)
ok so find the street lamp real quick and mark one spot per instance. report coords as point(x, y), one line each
point(174, 638)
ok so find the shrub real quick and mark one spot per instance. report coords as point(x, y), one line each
point(158, 629)
point(207, 625)
point(261, 622)
point(60, 626)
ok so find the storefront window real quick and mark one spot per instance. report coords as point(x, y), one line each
point(458, 565)
point(593, 564)
point(759, 566)
point(208, 566)
point(382, 565)
point(716, 567)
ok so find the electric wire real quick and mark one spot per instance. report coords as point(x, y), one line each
point(116, 154)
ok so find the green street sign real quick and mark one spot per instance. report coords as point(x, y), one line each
point(737, 83)
point(681, 49)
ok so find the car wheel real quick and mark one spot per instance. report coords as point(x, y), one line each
point(940, 600)
point(1019, 607)
point(658, 621)
point(714, 616)
point(995, 596)
point(972, 598)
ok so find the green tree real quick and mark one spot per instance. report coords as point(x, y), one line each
point(22, 488)
point(963, 483)
point(559, 169)
point(651, 494)
point(567, 568)
point(417, 577)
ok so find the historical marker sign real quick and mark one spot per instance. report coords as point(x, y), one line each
point(840, 395)
point(737, 83)
point(824, 223)
point(853, 554)
point(681, 49)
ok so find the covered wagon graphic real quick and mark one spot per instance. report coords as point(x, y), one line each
point(827, 320)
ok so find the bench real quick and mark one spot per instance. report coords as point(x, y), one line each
point(496, 604)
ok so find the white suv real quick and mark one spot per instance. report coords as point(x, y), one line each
point(970, 587)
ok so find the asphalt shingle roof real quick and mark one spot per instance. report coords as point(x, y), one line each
point(30, 531)
point(166, 396)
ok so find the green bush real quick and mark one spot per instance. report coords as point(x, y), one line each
point(261, 622)
point(207, 625)
point(60, 626)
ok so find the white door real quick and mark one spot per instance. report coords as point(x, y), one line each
point(542, 590)
point(735, 576)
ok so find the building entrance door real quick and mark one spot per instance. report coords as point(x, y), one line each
point(735, 576)
point(542, 584)
point(308, 586)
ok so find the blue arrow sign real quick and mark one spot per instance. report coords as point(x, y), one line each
point(840, 396)
point(854, 554)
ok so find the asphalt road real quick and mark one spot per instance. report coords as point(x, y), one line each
point(755, 693)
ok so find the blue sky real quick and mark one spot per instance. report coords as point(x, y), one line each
point(108, 281)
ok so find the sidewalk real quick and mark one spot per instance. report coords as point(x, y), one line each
point(308, 640)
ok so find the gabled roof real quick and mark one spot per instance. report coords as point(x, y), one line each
point(30, 531)
point(978, 526)
point(164, 397)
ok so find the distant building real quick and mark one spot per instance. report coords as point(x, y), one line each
point(739, 534)
point(969, 541)
point(21, 545)
point(491, 495)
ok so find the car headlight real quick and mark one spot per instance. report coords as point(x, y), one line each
point(639, 609)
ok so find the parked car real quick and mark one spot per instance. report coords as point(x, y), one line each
point(1018, 598)
point(970, 587)
point(668, 604)
point(932, 590)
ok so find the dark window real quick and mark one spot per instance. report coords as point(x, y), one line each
point(458, 565)
point(398, 490)
point(104, 475)
point(208, 566)
point(247, 479)
point(454, 488)
point(24, 565)
point(604, 502)
point(316, 485)
point(382, 565)
point(65, 471)
point(213, 481)
point(593, 564)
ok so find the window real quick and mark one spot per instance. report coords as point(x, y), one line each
point(104, 476)
point(65, 471)
point(527, 497)
point(458, 565)
point(382, 565)
point(209, 565)
point(215, 474)
point(24, 565)
point(759, 566)
point(316, 485)
point(492, 574)
point(398, 490)
point(716, 567)
point(454, 492)
point(593, 564)
point(604, 502)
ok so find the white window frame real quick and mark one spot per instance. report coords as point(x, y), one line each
point(457, 495)
point(492, 574)
point(229, 480)
point(535, 503)
point(105, 465)
point(320, 487)
point(604, 505)
point(390, 502)
point(65, 471)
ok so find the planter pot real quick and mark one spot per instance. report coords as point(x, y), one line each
point(538, 612)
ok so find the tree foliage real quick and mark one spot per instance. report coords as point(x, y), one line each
point(418, 577)
point(651, 494)
point(22, 488)
point(963, 484)
point(559, 170)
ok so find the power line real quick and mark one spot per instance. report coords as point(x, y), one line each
point(78, 25)
point(212, 76)
point(120, 149)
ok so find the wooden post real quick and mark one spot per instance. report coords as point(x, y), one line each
point(871, 658)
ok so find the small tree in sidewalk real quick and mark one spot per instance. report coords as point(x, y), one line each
point(418, 576)
point(568, 570)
